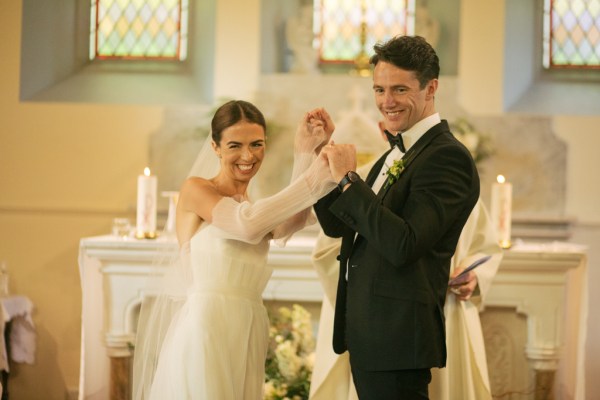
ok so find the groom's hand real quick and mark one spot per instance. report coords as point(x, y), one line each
point(341, 157)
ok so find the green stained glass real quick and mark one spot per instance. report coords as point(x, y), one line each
point(139, 29)
point(339, 23)
point(572, 34)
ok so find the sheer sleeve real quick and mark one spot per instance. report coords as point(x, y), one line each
point(251, 222)
point(285, 230)
point(308, 138)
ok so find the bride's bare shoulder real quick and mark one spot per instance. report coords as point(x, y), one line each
point(196, 191)
point(194, 184)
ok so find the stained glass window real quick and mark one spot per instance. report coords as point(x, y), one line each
point(139, 29)
point(571, 34)
point(339, 24)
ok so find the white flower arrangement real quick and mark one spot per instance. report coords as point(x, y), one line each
point(291, 354)
point(477, 142)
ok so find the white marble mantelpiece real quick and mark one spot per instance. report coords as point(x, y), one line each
point(546, 282)
point(543, 282)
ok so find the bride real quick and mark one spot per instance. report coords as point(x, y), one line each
point(208, 339)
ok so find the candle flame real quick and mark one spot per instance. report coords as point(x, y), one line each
point(147, 171)
point(500, 179)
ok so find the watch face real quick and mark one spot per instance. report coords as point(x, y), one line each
point(353, 176)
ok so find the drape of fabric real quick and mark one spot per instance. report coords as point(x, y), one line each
point(466, 374)
point(160, 304)
point(164, 294)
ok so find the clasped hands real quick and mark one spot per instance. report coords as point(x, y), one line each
point(314, 134)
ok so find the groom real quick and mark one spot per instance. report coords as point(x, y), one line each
point(399, 228)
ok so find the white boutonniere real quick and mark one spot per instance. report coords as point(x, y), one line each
point(393, 173)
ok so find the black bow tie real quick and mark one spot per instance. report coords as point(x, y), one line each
point(395, 140)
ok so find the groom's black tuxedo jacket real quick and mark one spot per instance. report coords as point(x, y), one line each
point(390, 312)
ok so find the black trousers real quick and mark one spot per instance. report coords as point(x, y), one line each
point(406, 384)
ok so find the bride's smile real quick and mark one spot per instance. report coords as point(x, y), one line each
point(242, 149)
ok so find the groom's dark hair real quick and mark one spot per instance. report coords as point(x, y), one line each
point(411, 53)
point(233, 112)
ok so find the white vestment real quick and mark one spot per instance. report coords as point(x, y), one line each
point(465, 376)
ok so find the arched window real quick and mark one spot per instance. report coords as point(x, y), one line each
point(345, 28)
point(139, 29)
point(571, 34)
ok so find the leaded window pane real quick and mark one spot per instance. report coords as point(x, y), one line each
point(338, 25)
point(139, 29)
point(572, 34)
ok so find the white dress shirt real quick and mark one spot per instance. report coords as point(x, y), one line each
point(409, 138)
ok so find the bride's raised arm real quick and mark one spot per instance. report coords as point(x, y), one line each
point(287, 211)
point(281, 214)
point(251, 222)
point(313, 133)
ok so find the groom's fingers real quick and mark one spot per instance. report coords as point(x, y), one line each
point(342, 158)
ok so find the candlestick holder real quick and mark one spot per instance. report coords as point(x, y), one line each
point(361, 63)
point(146, 235)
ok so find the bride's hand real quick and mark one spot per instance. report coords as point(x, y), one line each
point(321, 116)
point(310, 135)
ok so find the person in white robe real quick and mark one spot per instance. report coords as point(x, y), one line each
point(466, 375)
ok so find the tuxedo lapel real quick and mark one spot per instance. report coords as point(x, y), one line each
point(414, 151)
point(372, 176)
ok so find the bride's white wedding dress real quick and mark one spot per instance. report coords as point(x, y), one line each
point(216, 346)
point(205, 336)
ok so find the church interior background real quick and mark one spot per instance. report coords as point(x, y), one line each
point(75, 135)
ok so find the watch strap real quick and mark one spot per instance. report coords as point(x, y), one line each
point(350, 177)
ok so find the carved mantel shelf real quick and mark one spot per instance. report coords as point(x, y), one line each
point(545, 282)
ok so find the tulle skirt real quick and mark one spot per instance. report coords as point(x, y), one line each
point(215, 349)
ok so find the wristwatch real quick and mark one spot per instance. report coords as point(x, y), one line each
point(350, 177)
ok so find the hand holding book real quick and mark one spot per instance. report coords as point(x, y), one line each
point(471, 267)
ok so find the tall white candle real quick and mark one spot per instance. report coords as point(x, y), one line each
point(146, 205)
point(501, 210)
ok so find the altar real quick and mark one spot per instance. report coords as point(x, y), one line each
point(544, 285)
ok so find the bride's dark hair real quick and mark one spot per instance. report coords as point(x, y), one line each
point(233, 112)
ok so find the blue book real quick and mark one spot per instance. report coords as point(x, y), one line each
point(471, 267)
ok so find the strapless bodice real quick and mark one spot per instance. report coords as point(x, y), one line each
point(226, 265)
